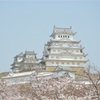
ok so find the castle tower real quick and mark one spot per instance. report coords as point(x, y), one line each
point(25, 62)
point(64, 51)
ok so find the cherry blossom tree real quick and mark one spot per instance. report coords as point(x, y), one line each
point(54, 88)
point(94, 77)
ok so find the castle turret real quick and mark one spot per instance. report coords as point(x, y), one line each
point(25, 62)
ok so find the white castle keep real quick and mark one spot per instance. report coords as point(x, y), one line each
point(64, 51)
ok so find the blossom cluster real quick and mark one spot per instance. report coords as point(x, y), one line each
point(54, 88)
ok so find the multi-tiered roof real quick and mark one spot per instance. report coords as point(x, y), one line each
point(25, 62)
point(63, 50)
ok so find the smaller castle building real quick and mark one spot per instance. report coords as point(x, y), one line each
point(25, 62)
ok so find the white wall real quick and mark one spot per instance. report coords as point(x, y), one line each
point(17, 80)
point(19, 59)
point(52, 63)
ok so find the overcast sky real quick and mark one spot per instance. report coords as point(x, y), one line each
point(27, 25)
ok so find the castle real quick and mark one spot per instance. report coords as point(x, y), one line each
point(61, 51)
point(63, 56)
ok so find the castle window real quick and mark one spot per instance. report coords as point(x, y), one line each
point(62, 63)
point(78, 63)
point(68, 44)
point(75, 58)
point(73, 63)
point(80, 57)
point(53, 50)
point(81, 51)
point(57, 62)
point(72, 51)
point(68, 63)
point(52, 57)
point(57, 57)
point(52, 62)
point(54, 37)
point(76, 50)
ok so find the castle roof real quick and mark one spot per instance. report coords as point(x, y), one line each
point(19, 55)
point(58, 30)
point(10, 75)
point(30, 53)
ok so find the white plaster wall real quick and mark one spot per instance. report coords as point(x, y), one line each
point(17, 80)
point(52, 63)
point(71, 37)
point(19, 59)
point(60, 57)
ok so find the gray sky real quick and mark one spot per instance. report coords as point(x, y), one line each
point(27, 25)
